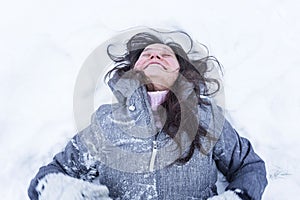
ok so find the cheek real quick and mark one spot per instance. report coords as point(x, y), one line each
point(174, 64)
point(139, 63)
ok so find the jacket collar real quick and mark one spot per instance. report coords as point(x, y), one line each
point(126, 88)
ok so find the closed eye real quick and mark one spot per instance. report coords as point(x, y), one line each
point(145, 54)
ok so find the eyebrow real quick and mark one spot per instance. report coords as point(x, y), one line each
point(148, 49)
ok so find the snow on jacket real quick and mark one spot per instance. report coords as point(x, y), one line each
point(132, 166)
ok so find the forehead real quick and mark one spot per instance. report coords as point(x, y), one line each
point(158, 47)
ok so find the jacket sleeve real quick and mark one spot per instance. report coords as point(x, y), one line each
point(236, 159)
point(74, 161)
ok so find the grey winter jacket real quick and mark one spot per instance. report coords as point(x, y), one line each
point(125, 151)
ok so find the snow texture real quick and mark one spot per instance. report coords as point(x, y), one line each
point(228, 195)
point(44, 44)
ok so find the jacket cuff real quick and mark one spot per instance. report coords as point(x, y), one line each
point(242, 194)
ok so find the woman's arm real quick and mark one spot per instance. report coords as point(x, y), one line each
point(74, 161)
point(236, 159)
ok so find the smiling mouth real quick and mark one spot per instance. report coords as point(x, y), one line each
point(155, 64)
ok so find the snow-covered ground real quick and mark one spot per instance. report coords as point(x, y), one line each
point(44, 44)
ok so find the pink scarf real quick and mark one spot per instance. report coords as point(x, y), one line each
point(156, 98)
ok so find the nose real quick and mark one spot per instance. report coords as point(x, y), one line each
point(155, 55)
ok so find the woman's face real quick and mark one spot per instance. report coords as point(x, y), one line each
point(160, 65)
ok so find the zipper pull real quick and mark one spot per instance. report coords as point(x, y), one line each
point(153, 156)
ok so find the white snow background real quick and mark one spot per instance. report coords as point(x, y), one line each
point(43, 45)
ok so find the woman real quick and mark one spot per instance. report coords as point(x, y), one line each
point(164, 139)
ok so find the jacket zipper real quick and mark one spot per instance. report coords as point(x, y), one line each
point(153, 155)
